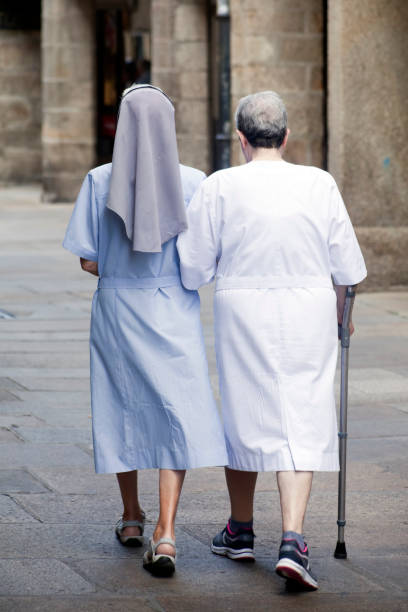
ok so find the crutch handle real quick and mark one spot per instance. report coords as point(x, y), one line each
point(344, 326)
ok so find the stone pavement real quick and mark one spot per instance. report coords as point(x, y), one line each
point(57, 547)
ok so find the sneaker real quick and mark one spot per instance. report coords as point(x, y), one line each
point(294, 564)
point(238, 546)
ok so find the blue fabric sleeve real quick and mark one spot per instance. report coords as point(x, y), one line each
point(81, 237)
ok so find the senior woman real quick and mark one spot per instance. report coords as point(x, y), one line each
point(276, 236)
point(152, 405)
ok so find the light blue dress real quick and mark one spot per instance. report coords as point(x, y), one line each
point(152, 405)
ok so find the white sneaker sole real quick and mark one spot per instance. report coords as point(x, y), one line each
point(244, 554)
point(289, 569)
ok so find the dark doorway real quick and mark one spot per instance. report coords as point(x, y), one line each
point(123, 58)
point(220, 83)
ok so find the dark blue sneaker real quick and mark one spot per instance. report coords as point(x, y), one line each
point(234, 545)
point(294, 564)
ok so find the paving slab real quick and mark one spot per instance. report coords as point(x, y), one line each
point(42, 383)
point(7, 396)
point(77, 480)
point(376, 411)
point(53, 508)
point(378, 428)
point(127, 575)
point(8, 436)
point(83, 603)
point(40, 577)
point(47, 325)
point(46, 335)
point(18, 372)
point(387, 570)
point(76, 541)
point(56, 399)
point(16, 421)
point(292, 601)
point(12, 512)
point(361, 477)
point(20, 481)
point(62, 541)
point(378, 450)
point(33, 345)
point(27, 454)
point(66, 435)
point(392, 352)
point(10, 385)
point(67, 359)
point(66, 414)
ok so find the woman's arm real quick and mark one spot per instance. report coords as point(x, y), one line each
point(341, 298)
point(89, 266)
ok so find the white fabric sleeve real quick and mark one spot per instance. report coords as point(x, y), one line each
point(197, 179)
point(81, 237)
point(198, 246)
point(346, 260)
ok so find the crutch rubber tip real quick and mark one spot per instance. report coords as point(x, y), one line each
point(340, 552)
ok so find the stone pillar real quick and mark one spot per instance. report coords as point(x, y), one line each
point(278, 45)
point(368, 128)
point(20, 106)
point(68, 96)
point(180, 68)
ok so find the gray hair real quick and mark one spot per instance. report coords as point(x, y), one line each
point(262, 118)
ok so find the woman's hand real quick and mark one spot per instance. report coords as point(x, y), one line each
point(89, 266)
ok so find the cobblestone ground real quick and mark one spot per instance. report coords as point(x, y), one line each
point(58, 551)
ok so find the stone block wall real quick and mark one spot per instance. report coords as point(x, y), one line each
point(68, 96)
point(368, 128)
point(20, 106)
point(180, 68)
point(278, 45)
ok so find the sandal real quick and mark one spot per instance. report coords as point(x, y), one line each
point(130, 540)
point(158, 564)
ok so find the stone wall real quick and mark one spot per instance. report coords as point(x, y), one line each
point(368, 128)
point(278, 45)
point(180, 68)
point(20, 106)
point(68, 96)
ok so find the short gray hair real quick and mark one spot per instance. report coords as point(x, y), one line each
point(262, 118)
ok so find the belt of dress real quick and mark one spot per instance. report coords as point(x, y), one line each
point(153, 282)
point(287, 281)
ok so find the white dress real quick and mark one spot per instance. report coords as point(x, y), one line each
point(274, 235)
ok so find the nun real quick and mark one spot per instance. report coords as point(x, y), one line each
point(152, 405)
point(278, 240)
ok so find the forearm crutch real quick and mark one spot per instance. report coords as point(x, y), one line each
point(344, 337)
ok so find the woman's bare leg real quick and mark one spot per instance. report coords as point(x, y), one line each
point(241, 489)
point(171, 483)
point(131, 508)
point(294, 489)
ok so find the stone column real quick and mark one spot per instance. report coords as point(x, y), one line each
point(278, 45)
point(20, 106)
point(68, 96)
point(368, 128)
point(180, 68)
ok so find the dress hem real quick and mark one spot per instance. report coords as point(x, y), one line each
point(281, 462)
point(117, 468)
